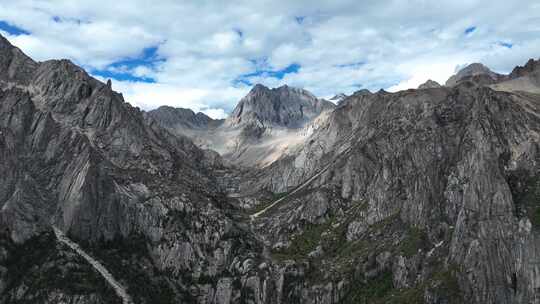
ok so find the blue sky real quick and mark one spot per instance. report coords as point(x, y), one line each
point(125, 69)
point(12, 29)
point(206, 55)
point(470, 30)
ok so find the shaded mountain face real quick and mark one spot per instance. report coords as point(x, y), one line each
point(284, 106)
point(178, 118)
point(419, 196)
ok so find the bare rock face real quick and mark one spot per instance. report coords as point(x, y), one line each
point(283, 106)
point(270, 123)
point(430, 191)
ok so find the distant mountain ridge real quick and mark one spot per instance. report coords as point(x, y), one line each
point(179, 117)
point(283, 106)
point(264, 124)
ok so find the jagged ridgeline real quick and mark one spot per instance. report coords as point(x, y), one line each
point(420, 196)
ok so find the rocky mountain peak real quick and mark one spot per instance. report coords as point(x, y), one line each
point(14, 64)
point(476, 72)
point(338, 97)
point(429, 84)
point(258, 88)
point(283, 106)
point(530, 67)
point(171, 117)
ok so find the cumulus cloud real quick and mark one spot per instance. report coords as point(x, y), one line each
point(208, 53)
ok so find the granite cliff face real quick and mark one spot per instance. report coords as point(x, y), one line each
point(419, 196)
point(432, 191)
point(144, 202)
point(425, 184)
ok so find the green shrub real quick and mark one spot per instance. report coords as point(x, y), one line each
point(416, 239)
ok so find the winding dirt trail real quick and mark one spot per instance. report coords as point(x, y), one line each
point(118, 288)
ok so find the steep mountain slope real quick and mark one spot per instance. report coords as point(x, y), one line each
point(431, 191)
point(144, 202)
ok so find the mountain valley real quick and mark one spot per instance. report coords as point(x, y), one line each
point(428, 195)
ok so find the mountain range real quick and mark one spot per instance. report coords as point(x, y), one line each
point(428, 195)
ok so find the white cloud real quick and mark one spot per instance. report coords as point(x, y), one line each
point(215, 113)
point(341, 45)
point(438, 72)
point(148, 96)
